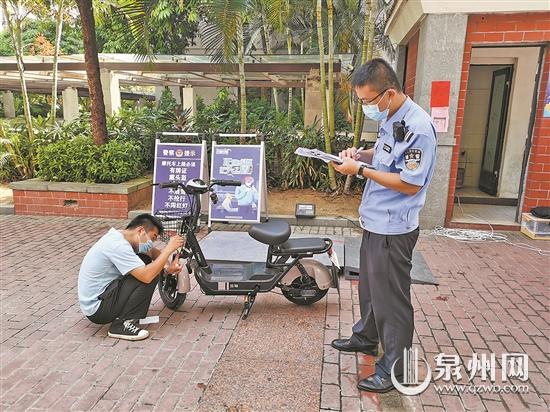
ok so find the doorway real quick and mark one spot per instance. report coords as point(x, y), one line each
point(494, 132)
point(501, 83)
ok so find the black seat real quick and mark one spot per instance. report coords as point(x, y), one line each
point(303, 245)
point(271, 233)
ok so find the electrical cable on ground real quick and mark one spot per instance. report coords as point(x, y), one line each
point(477, 236)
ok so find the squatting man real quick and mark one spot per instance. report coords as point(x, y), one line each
point(119, 274)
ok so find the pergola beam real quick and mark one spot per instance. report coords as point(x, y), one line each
point(181, 67)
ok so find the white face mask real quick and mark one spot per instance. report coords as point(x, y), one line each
point(373, 112)
point(145, 247)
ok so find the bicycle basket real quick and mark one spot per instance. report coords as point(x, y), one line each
point(172, 225)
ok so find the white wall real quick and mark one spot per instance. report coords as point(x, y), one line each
point(208, 94)
point(409, 13)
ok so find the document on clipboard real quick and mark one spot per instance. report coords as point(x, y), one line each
point(325, 157)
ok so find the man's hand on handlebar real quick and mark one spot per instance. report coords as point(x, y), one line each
point(175, 243)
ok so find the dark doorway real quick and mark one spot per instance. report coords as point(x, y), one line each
point(495, 130)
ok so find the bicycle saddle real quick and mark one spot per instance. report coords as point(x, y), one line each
point(271, 233)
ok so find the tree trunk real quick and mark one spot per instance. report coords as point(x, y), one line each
point(328, 146)
point(359, 116)
point(289, 50)
point(268, 51)
point(15, 29)
point(330, 13)
point(242, 79)
point(302, 91)
point(98, 117)
point(58, 31)
point(372, 16)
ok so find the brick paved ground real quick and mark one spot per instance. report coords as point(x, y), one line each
point(53, 358)
point(492, 297)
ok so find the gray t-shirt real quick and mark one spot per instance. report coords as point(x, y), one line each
point(110, 258)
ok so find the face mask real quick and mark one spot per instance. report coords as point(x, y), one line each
point(373, 112)
point(145, 247)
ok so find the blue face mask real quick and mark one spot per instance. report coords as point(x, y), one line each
point(373, 112)
point(145, 247)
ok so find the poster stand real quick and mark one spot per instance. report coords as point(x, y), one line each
point(262, 199)
point(182, 139)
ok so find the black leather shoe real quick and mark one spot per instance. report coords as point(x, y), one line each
point(347, 345)
point(375, 383)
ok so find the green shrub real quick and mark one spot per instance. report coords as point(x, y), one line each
point(80, 160)
point(16, 151)
point(119, 161)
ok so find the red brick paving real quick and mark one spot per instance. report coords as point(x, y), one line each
point(492, 297)
point(53, 358)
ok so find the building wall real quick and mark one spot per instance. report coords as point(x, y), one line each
point(537, 186)
point(440, 50)
point(410, 68)
point(498, 30)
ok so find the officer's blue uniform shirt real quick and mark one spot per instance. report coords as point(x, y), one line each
point(386, 211)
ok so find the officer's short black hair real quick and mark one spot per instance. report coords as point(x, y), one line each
point(378, 74)
point(147, 221)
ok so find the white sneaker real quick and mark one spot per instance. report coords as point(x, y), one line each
point(127, 330)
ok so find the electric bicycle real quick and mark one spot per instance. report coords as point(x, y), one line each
point(289, 264)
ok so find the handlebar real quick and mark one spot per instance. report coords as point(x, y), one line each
point(169, 185)
point(225, 182)
point(175, 185)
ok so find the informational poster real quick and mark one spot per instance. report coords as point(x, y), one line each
point(439, 105)
point(440, 119)
point(546, 112)
point(176, 162)
point(244, 163)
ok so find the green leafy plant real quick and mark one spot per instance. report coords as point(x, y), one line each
point(80, 160)
point(17, 152)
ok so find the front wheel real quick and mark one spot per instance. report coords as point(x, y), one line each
point(168, 291)
point(304, 291)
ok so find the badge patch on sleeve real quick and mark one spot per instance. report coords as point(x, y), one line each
point(413, 157)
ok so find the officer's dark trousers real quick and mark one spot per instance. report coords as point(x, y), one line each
point(125, 298)
point(385, 297)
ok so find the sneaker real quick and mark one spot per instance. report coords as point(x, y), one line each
point(127, 330)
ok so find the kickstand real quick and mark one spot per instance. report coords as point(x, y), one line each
point(248, 302)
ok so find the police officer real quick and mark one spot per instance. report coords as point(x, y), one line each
point(403, 159)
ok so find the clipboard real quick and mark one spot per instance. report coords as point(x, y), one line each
point(325, 157)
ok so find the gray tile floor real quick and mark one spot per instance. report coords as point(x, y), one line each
point(497, 215)
point(471, 192)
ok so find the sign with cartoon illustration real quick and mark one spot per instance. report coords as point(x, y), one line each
point(244, 163)
point(175, 162)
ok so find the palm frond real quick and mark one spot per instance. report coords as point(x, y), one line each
point(137, 13)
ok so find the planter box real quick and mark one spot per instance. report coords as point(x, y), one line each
point(39, 197)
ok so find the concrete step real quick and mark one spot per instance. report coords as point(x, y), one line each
point(6, 209)
point(328, 221)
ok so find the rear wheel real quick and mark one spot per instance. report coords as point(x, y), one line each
point(304, 291)
point(168, 291)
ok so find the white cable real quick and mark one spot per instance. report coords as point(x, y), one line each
point(475, 236)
